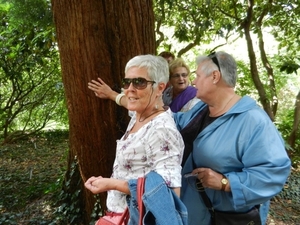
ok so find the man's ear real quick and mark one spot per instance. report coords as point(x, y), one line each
point(216, 76)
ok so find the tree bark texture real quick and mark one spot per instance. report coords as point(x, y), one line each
point(246, 26)
point(271, 79)
point(96, 39)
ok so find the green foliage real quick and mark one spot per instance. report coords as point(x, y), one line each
point(284, 21)
point(196, 22)
point(285, 125)
point(245, 85)
point(69, 210)
point(289, 67)
point(288, 77)
point(30, 13)
point(183, 26)
point(31, 89)
point(97, 210)
point(293, 191)
point(190, 22)
point(290, 199)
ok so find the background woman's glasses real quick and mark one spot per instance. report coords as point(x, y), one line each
point(138, 83)
point(177, 75)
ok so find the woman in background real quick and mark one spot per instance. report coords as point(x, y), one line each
point(180, 96)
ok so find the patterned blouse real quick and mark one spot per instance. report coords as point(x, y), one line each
point(156, 146)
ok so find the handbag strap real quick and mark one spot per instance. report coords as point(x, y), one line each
point(201, 191)
point(125, 217)
point(189, 134)
point(191, 131)
point(140, 192)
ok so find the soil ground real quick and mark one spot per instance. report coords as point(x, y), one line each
point(30, 180)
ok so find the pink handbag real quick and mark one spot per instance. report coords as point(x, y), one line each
point(112, 218)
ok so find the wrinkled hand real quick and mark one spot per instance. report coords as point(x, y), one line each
point(100, 88)
point(209, 178)
point(97, 184)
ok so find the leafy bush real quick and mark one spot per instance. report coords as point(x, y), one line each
point(31, 93)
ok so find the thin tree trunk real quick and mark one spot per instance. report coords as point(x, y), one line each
point(273, 92)
point(293, 135)
point(253, 62)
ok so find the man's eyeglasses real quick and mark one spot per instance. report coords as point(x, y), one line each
point(178, 75)
point(213, 57)
point(138, 83)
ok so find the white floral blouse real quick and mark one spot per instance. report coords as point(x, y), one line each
point(157, 146)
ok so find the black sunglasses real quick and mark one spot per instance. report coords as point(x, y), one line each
point(138, 83)
point(213, 57)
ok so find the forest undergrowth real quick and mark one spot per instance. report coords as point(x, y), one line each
point(31, 176)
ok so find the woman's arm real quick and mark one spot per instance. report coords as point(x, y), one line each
point(177, 191)
point(100, 184)
point(102, 90)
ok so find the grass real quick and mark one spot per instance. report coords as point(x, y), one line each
point(31, 176)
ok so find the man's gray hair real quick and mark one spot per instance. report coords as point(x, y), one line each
point(227, 64)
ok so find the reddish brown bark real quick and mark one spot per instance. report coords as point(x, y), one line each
point(96, 39)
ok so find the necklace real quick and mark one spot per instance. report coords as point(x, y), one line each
point(142, 120)
point(212, 115)
point(129, 131)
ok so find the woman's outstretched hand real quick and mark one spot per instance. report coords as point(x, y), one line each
point(101, 89)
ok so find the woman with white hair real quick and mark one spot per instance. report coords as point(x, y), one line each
point(151, 141)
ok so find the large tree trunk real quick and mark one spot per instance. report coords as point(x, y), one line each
point(96, 39)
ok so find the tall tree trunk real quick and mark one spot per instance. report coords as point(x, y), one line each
point(264, 58)
point(246, 25)
point(96, 39)
point(271, 79)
